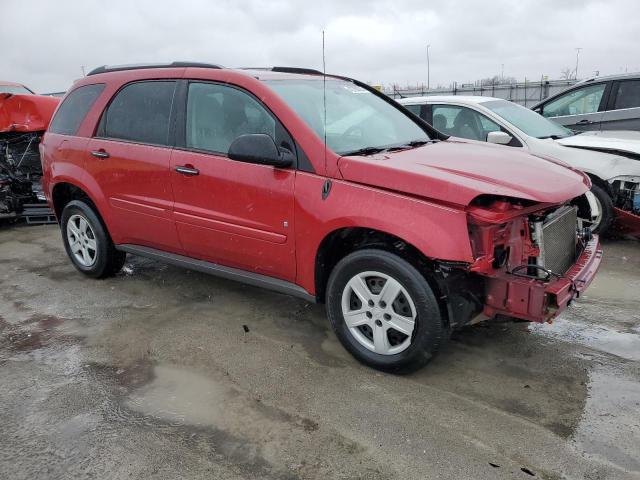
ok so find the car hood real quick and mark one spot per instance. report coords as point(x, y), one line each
point(619, 142)
point(603, 164)
point(26, 113)
point(456, 172)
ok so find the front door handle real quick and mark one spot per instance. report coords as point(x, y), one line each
point(188, 170)
point(102, 153)
point(584, 122)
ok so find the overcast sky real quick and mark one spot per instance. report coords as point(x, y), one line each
point(46, 43)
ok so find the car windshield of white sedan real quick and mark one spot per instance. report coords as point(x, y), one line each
point(357, 121)
point(15, 90)
point(530, 122)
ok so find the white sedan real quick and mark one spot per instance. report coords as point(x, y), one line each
point(614, 172)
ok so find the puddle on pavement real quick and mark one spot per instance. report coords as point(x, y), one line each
point(598, 337)
point(180, 396)
point(609, 429)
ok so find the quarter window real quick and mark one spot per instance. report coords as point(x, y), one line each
point(415, 109)
point(628, 95)
point(140, 113)
point(578, 102)
point(218, 114)
point(74, 108)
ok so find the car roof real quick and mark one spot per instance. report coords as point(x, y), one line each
point(605, 78)
point(465, 99)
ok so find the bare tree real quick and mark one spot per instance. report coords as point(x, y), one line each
point(496, 80)
point(566, 73)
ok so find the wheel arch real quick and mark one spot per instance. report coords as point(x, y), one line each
point(342, 241)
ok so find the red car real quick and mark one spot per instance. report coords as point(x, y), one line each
point(319, 187)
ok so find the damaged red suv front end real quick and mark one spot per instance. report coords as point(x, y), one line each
point(535, 259)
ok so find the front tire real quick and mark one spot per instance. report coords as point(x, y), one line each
point(607, 214)
point(384, 312)
point(88, 243)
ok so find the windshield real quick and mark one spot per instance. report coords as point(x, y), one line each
point(530, 122)
point(15, 89)
point(356, 119)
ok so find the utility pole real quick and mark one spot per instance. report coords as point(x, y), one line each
point(502, 74)
point(428, 69)
point(577, 57)
point(82, 68)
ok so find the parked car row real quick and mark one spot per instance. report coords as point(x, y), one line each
point(611, 163)
point(320, 187)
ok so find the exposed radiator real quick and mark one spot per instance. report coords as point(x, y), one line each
point(556, 236)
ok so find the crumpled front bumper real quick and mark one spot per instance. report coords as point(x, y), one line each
point(537, 300)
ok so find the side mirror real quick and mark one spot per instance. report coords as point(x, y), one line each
point(501, 138)
point(259, 148)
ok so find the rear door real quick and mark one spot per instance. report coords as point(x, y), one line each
point(129, 158)
point(623, 109)
point(580, 108)
point(233, 213)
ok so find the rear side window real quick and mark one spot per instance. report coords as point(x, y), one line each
point(140, 113)
point(74, 108)
point(628, 95)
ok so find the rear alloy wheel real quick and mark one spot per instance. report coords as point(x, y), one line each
point(383, 311)
point(82, 240)
point(87, 242)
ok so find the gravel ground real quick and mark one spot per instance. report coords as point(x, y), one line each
point(165, 373)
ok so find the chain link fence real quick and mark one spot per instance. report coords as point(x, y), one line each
point(524, 93)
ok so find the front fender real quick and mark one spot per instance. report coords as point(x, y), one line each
point(437, 231)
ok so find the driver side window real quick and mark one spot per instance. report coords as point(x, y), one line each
point(218, 114)
point(463, 122)
point(578, 102)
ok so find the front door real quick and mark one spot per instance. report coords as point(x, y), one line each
point(578, 109)
point(233, 213)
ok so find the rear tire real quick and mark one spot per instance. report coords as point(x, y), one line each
point(384, 312)
point(88, 243)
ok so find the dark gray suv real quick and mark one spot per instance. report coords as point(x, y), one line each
point(600, 103)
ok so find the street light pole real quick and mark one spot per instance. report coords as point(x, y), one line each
point(428, 69)
point(577, 56)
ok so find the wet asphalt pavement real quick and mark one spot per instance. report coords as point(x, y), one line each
point(165, 373)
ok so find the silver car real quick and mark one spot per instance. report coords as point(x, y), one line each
point(600, 103)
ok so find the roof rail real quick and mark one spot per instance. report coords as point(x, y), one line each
point(304, 71)
point(140, 66)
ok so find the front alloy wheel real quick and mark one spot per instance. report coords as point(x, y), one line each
point(384, 311)
point(379, 312)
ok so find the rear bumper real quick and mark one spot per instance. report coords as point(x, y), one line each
point(539, 301)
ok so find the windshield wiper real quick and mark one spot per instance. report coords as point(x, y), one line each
point(552, 137)
point(364, 151)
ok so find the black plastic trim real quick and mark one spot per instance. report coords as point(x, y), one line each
point(230, 273)
point(143, 66)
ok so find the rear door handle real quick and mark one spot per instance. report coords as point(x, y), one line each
point(100, 153)
point(584, 122)
point(188, 170)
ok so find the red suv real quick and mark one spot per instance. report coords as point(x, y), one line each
point(319, 187)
